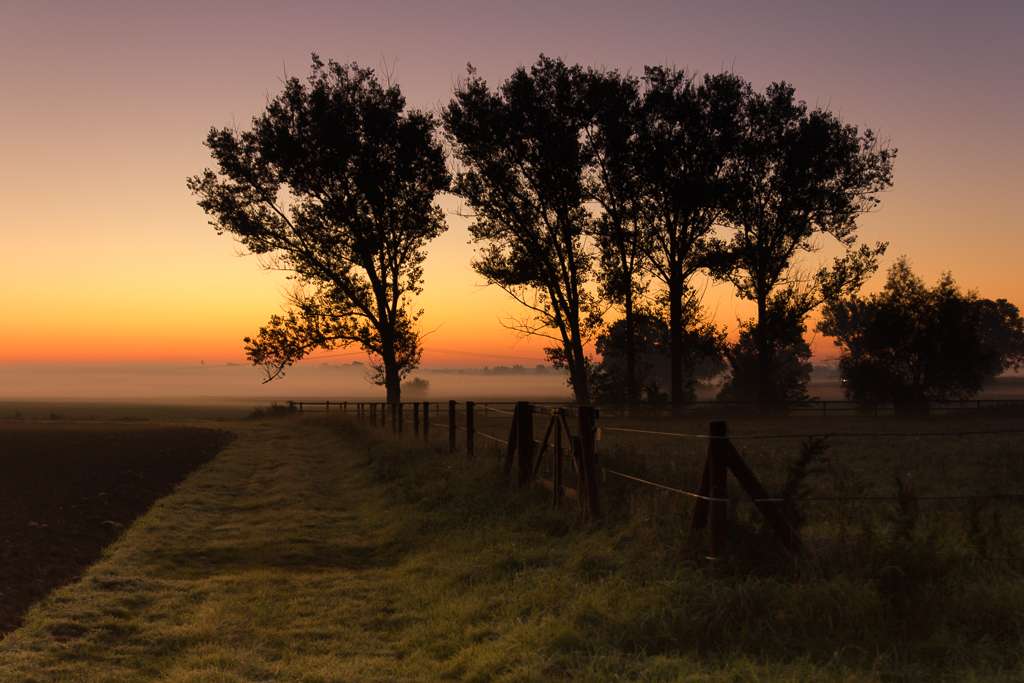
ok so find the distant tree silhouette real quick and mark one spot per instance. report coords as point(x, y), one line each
point(797, 174)
point(704, 342)
point(334, 183)
point(524, 180)
point(910, 344)
point(687, 139)
point(789, 368)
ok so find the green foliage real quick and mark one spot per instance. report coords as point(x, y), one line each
point(910, 344)
point(335, 183)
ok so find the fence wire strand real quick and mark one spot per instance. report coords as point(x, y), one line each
point(837, 435)
point(800, 500)
point(492, 438)
point(496, 410)
point(697, 496)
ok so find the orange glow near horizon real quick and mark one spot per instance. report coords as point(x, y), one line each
point(109, 259)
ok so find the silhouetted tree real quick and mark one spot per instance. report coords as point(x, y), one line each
point(704, 342)
point(525, 163)
point(789, 367)
point(616, 182)
point(334, 183)
point(688, 137)
point(910, 344)
point(796, 174)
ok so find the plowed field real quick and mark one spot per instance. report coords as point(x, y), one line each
point(69, 489)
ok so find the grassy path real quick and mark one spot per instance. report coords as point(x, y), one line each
point(270, 563)
point(296, 556)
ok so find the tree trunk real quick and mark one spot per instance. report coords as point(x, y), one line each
point(578, 368)
point(632, 392)
point(764, 360)
point(392, 379)
point(675, 343)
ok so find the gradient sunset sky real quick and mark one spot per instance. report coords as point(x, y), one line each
point(105, 106)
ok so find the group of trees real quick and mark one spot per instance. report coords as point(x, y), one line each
point(588, 190)
point(910, 344)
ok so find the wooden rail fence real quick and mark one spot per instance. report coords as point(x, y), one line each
point(525, 455)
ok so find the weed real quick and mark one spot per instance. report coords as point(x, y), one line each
point(811, 452)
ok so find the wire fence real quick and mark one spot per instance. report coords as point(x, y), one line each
point(522, 448)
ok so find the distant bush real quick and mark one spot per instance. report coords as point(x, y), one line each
point(273, 410)
point(415, 389)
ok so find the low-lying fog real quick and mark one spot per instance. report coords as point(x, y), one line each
point(211, 384)
point(178, 382)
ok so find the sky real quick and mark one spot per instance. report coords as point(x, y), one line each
point(104, 107)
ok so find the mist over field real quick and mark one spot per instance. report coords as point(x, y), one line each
point(179, 382)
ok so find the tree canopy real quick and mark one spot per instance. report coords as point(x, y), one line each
point(335, 183)
point(688, 140)
point(797, 175)
point(524, 180)
point(909, 343)
point(789, 365)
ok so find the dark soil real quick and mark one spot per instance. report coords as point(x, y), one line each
point(67, 490)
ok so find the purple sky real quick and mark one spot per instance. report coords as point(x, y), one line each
point(105, 106)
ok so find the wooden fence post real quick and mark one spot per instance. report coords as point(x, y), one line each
point(764, 502)
point(556, 461)
point(451, 426)
point(415, 419)
point(400, 419)
point(426, 421)
point(469, 428)
point(524, 441)
point(588, 460)
point(513, 441)
point(718, 468)
point(328, 408)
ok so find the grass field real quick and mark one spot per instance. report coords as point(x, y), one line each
point(313, 550)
